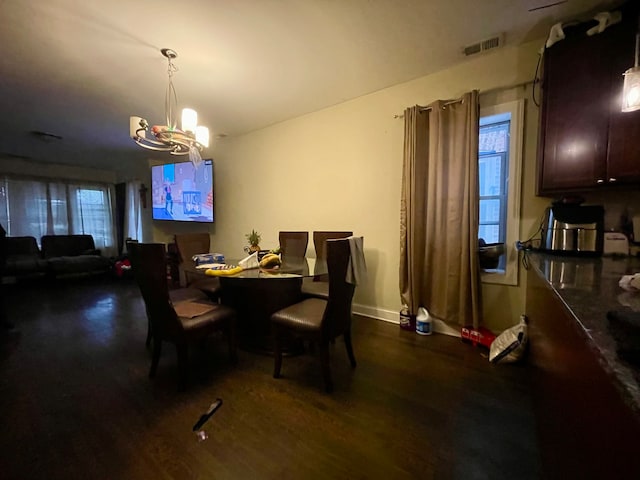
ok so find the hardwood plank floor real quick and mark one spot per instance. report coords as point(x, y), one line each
point(76, 402)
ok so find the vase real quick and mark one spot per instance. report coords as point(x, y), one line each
point(252, 249)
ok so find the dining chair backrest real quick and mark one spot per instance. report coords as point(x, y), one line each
point(149, 264)
point(320, 238)
point(190, 244)
point(337, 316)
point(293, 244)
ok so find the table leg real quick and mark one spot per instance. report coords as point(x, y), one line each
point(255, 300)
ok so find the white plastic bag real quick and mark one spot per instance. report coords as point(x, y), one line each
point(510, 345)
point(630, 283)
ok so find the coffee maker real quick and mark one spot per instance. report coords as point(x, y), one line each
point(572, 229)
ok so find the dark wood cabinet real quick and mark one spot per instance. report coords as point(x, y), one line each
point(585, 428)
point(585, 141)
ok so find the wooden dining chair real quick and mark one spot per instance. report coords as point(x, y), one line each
point(318, 286)
point(181, 323)
point(190, 244)
point(320, 238)
point(317, 320)
point(177, 295)
point(293, 244)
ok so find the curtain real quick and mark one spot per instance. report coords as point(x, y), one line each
point(133, 212)
point(29, 213)
point(439, 267)
point(33, 207)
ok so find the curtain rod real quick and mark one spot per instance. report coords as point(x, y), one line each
point(484, 92)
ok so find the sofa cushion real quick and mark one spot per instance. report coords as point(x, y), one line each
point(22, 246)
point(24, 264)
point(66, 245)
point(78, 264)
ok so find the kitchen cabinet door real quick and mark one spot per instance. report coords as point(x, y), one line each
point(585, 141)
point(575, 114)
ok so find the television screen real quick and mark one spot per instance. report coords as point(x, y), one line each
point(182, 192)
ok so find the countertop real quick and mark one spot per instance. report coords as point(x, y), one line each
point(589, 288)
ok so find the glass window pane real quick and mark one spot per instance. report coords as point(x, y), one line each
point(490, 211)
point(489, 233)
point(494, 138)
point(490, 172)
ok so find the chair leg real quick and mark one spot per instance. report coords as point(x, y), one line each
point(182, 365)
point(277, 352)
point(155, 358)
point(326, 369)
point(347, 343)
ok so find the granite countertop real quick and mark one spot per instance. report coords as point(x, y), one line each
point(589, 288)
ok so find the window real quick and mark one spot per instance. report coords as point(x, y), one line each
point(34, 207)
point(493, 170)
point(499, 165)
point(92, 213)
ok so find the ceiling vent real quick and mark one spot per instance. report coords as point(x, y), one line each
point(484, 45)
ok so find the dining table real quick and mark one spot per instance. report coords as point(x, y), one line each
point(257, 293)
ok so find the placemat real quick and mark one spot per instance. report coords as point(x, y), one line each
point(192, 309)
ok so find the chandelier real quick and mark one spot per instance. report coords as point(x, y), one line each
point(190, 140)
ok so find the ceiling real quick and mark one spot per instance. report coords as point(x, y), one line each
point(78, 69)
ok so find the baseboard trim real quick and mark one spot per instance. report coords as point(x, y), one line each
point(394, 317)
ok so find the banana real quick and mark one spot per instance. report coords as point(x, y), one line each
point(222, 273)
point(270, 260)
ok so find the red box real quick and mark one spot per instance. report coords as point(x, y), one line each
point(477, 336)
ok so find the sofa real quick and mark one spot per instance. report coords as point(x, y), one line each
point(23, 258)
point(60, 255)
point(72, 254)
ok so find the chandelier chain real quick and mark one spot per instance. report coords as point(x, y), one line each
point(171, 97)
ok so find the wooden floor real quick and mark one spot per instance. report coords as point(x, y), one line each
point(76, 402)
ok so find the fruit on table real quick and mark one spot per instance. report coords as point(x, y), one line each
point(270, 260)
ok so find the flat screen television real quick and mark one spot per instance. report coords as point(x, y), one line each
point(182, 192)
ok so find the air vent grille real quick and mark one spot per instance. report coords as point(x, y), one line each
point(484, 45)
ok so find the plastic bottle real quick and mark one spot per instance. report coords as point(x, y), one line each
point(405, 318)
point(423, 322)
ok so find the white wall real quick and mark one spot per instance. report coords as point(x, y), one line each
point(340, 169)
point(17, 166)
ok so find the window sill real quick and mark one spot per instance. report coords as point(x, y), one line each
point(496, 277)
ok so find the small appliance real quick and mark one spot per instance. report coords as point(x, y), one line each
point(572, 229)
point(615, 243)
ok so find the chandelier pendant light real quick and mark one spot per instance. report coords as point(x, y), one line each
point(631, 88)
point(190, 139)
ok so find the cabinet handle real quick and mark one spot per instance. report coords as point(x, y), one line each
point(599, 181)
point(613, 179)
